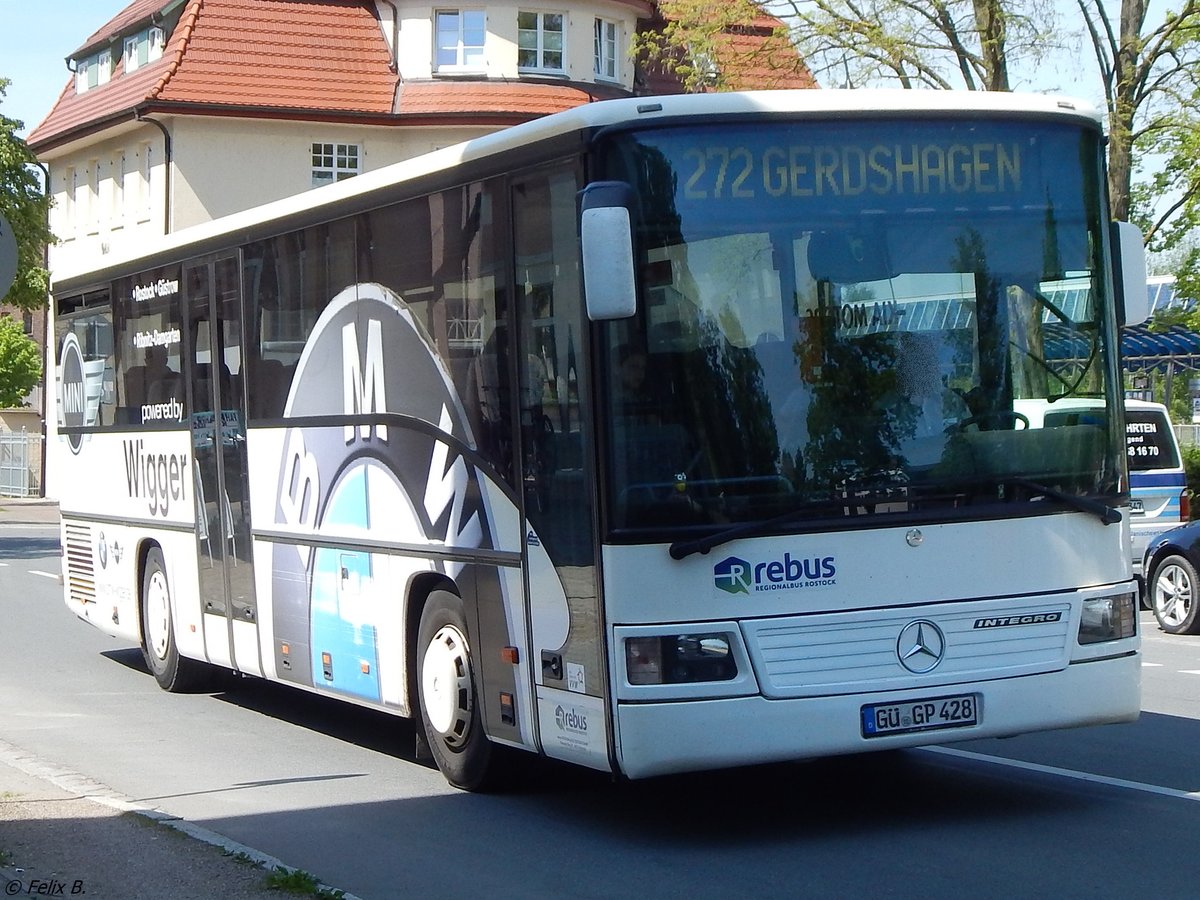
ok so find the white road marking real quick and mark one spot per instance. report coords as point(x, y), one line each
point(1189, 671)
point(53, 575)
point(1147, 665)
point(1069, 773)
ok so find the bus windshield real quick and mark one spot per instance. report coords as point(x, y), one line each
point(868, 318)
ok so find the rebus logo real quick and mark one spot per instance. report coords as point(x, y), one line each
point(732, 575)
point(736, 576)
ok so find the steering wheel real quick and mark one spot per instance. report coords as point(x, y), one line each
point(998, 417)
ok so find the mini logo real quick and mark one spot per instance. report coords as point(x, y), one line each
point(72, 390)
point(920, 646)
point(732, 575)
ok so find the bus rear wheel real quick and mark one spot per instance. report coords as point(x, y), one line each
point(448, 695)
point(171, 671)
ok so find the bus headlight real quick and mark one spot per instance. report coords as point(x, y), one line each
point(679, 659)
point(1108, 618)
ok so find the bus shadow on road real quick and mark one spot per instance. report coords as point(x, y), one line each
point(854, 793)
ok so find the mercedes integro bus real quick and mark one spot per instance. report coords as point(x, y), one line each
point(659, 435)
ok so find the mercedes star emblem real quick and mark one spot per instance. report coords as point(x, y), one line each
point(920, 646)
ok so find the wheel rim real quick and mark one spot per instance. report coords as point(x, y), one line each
point(158, 615)
point(1172, 595)
point(446, 685)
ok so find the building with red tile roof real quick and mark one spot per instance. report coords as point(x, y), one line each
point(180, 111)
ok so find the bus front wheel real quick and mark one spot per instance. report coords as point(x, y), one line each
point(447, 689)
point(170, 670)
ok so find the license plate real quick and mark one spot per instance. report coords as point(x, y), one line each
point(957, 711)
point(1135, 506)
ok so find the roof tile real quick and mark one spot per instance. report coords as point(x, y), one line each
point(329, 57)
point(427, 98)
point(315, 55)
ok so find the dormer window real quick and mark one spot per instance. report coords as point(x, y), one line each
point(540, 41)
point(93, 71)
point(144, 47)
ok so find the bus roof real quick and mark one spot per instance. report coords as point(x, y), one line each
point(606, 113)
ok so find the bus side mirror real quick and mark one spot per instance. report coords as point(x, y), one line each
point(606, 236)
point(1129, 250)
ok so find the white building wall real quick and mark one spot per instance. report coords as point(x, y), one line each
point(107, 196)
point(416, 39)
point(274, 159)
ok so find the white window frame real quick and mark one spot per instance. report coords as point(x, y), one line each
point(541, 49)
point(93, 71)
point(334, 161)
point(93, 196)
point(606, 63)
point(71, 204)
point(463, 51)
point(152, 40)
point(145, 172)
point(118, 190)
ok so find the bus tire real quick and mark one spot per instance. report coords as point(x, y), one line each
point(447, 688)
point(171, 671)
point(1173, 589)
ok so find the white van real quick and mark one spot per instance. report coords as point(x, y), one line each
point(1157, 485)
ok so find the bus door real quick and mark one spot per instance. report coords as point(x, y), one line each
point(566, 620)
point(213, 302)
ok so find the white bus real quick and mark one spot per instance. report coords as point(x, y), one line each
point(660, 435)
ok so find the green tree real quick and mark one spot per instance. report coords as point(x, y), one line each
point(25, 205)
point(20, 364)
point(719, 45)
point(942, 44)
point(1150, 74)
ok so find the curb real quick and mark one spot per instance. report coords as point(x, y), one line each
point(85, 788)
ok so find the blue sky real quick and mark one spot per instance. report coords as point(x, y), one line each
point(35, 38)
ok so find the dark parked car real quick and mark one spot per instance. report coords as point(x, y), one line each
point(1172, 585)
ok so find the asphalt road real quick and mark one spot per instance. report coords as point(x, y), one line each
point(333, 789)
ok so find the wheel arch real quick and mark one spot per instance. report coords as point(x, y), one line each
point(1160, 553)
point(417, 595)
point(143, 552)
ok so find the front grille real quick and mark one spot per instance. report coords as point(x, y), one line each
point(820, 655)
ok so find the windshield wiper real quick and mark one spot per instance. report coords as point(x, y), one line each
point(1105, 513)
point(683, 549)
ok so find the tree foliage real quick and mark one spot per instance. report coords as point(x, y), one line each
point(20, 364)
point(696, 41)
point(25, 205)
point(1149, 73)
point(943, 44)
